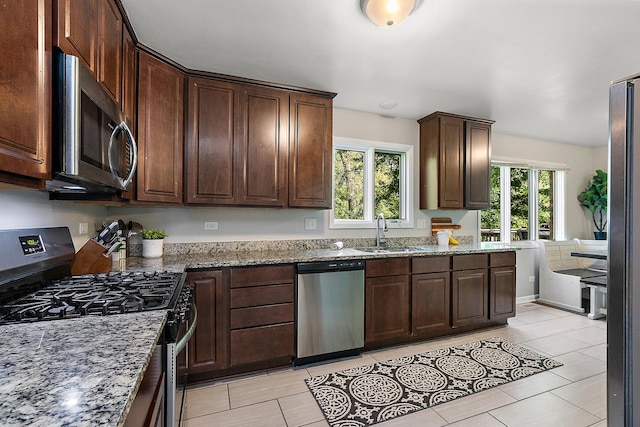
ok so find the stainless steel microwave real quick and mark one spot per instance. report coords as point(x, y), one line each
point(94, 150)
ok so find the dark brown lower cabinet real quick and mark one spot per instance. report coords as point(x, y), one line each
point(147, 408)
point(208, 349)
point(430, 303)
point(386, 308)
point(502, 285)
point(470, 292)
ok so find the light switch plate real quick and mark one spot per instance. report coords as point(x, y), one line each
point(310, 224)
point(83, 228)
point(210, 225)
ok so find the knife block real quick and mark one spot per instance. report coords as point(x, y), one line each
point(91, 258)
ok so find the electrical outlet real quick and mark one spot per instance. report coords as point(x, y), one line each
point(310, 224)
point(210, 225)
point(84, 228)
point(422, 223)
point(532, 279)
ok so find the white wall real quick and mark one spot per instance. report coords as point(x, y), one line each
point(601, 158)
point(581, 168)
point(30, 208)
point(33, 208)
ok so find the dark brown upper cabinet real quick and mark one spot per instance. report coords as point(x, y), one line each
point(25, 109)
point(455, 162)
point(92, 31)
point(212, 141)
point(160, 131)
point(310, 151)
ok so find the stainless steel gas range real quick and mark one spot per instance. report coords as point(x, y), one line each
point(35, 286)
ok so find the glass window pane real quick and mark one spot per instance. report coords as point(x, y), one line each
point(348, 190)
point(545, 204)
point(387, 185)
point(519, 204)
point(490, 219)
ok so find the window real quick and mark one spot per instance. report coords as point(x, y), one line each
point(524, 198)
point(369, 178)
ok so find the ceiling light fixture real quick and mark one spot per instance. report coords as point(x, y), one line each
point(387, 13)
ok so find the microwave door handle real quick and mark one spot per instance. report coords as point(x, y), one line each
point(134, 153)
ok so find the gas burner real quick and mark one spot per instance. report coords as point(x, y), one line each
point(96, 294)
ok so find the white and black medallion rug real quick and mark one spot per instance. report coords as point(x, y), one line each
point(374, 393)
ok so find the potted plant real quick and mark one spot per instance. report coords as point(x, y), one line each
point(594, 198)
point(152, 242)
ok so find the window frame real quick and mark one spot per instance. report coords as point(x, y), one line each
point(369, 147)
point(559, 186)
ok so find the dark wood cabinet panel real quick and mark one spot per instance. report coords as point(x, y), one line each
point(261, 276)
point(25, 91)
point(477, 164)
point(250, 317)
point(256, 345)
point(386, 308)
point(386, 267)
point(469, 262)
point(310, 151)
point(430, 303)
point(160, 131)
point(147, 408)
point(212, 141)
point(460, 147)
point(502, 292)
point(261, 295)
point(77, 32)
point(470, 292)
point(430, 264)
point(110, 49)
point(209, 346)
point(262, 173)
point(129, 78)
point(502, 259)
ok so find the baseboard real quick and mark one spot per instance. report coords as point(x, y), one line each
point(527, 298)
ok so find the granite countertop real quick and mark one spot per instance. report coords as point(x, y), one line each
point(75, 372)
point(194, 261)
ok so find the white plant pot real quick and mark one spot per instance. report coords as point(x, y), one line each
point(152, 248)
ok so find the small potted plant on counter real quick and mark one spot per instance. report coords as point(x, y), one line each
point(594, 198)
point(152, 241)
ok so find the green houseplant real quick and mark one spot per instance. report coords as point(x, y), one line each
point(152, 242)
point(594, 198)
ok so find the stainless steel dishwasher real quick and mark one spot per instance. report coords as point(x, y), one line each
point(330, 310)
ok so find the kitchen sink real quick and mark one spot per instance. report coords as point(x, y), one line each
point(382, 250)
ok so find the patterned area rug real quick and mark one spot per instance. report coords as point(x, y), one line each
point(374, 393)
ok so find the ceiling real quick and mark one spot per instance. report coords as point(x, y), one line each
point(540, 68)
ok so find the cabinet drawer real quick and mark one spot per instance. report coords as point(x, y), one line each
point(469, 262)
point(502, 259)
point(261, 295)
point(430, 264)
point(261, 276)
point(259, 316)
point(387, 267)
point(261, 344)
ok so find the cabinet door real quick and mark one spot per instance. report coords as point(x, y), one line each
point(430, 303)
point(262, 169)
point(502, 297)
point(77, 31)
point(310, 151)
point(477, 165)
point(470, 289)
point(110, 48)
point(160, 131)
point(451, 161)
point(209, 347)
point(386, 308)
point(212, 138)
point(25, 109)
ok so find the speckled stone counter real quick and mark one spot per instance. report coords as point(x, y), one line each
point(193, 261)
point(75, 372)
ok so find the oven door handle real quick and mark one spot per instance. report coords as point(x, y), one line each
point(192, 328)
point(133, 156)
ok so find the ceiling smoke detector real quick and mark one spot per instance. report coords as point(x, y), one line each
point(387, 13)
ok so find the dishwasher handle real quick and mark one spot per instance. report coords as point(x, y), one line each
point(325, 266)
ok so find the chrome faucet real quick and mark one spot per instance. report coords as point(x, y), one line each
point(380, 239)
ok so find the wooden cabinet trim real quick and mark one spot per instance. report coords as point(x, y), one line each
point(468, 262)
point(502, 259)
point(430, 264)
point(261, 276)
point(250, 317)
point(387, 267)
point(261, 295)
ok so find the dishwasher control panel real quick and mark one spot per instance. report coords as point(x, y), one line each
point(321, 266)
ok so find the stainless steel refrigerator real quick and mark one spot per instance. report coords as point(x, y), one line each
point(623, 312)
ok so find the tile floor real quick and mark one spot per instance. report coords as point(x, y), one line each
point(570, 396)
